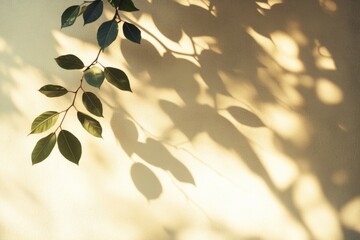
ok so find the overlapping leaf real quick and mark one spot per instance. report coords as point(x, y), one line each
point(44, 122)
point(92, 103)
point(90, 124)
point(69, 62)
point(43, 148)
point(69, 146)
point(69, 16)
point(93, 12)
point(94, 76)
point(53, 90)
point(124, 5)
point(117, 78)
point(107, 33)
point(131, 32)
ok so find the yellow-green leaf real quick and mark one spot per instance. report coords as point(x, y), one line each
point(43, 148)
point(69, 62)
point(117, 78)
point(92, 103)
point(44, 122)
point(90, 124)
point(53, 90)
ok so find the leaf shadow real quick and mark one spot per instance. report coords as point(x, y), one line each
point(145, 181)
point(245, 117)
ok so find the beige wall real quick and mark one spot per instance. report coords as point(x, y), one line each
point(244, 117)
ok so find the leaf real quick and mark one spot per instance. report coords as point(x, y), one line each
point(117, 78)
point(43, 148)
point(145, 181)
point(245, 117)
point(69, 62)
point(131, 32)
point(92, 103)
point(44, 122)
point(69, 146)
point(90, 124)
point(53, 90)
point(127, 6)
point(93, 12)
point(107, 33)
point(69, 16)
point(94, 76)
point(124, 5)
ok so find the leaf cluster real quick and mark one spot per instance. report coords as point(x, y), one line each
point(94, 75)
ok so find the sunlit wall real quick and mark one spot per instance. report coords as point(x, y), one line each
point(243, 123)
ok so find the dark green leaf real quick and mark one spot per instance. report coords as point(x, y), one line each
point(90, 124)
point(107, 33)
point(69, 16)
point(94, 76)
point(92, 103)
point(69, 62)
point(93, 11)
point(145, 181)
point(118, 78)
point(53, 90)
point(43, 148)
point(69, 146)
point(124, 5)
point(131, 32)
point(44, 121)
point(127, 6)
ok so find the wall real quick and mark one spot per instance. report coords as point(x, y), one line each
point(243, 123)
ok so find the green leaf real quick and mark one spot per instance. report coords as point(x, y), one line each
point(43, 148)
point(53, 90)
point(94, 76)
point(131, 32)
point(69, 146)
point(69, 16)
point(117, 78)
point(90, 124)
point(44, 122)
point(124, 5)
point(107, 33)
point(69, 62)
point(93, 12)
point(92, 103)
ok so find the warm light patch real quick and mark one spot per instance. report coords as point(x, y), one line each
point(288, 125)
point(282, 48)
point(328, 92)
point(295, 32)
point(328, 5)
point(323, 58)
point(206, 43)
point(350, 213)
point(318, 214)
point(3, 45)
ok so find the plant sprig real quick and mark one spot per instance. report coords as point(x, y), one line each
point(94, 74)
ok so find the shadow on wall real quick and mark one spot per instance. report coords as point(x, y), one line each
point(319, 63)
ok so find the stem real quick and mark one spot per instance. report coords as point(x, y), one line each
point(95, 61)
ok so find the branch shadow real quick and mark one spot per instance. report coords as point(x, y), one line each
point(331, 150)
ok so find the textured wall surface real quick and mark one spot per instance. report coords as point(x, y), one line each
point(243, 123)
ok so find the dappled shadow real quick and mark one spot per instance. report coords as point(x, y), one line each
point(243, 43)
